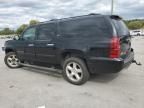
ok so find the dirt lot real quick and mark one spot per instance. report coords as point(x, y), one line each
point(32, 88)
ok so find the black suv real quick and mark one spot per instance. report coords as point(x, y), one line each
point(79, 45)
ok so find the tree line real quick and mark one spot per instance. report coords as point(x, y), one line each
point(131, 24)
point(135, 24)
point(19, 30)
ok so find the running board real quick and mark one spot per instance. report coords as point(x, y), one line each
point(42, 67)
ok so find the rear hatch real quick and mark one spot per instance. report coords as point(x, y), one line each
point(124, 35)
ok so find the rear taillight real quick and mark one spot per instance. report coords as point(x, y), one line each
point(115, 48)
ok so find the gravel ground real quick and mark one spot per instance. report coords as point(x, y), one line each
point(31, 88)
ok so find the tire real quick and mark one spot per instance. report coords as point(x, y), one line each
point(78, 68)
point(138, 34)
point(16, 61)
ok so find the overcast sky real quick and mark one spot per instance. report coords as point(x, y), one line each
point(16, 12)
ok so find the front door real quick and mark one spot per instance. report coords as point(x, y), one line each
point(28, 37)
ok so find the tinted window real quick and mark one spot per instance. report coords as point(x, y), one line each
point(29, 34)
point(46, 32)
point(121, 27)
point(85, 27)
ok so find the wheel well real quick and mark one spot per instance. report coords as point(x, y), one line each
point(9, 50)
point(72, 54)
point(65, 55)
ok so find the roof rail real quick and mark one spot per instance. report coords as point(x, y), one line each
point(93, 14)
point(79, 16)
point(48, 21)
point(52, 19)
point(69, 17)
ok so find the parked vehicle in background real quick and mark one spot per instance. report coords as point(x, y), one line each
point(139, 32)
point(7, 36)
point(2, 37)
point(80, 45)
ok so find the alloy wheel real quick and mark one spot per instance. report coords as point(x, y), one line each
point(13, 61)
point(74, 71)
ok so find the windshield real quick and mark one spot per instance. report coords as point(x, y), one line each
point(121, 28)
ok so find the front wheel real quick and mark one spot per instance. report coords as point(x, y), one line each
point(11, 60)
point(75, 71)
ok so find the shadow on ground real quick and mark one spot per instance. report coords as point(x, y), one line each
point(49, 72)
point(102, 78)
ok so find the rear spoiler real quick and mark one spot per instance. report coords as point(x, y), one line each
point(116, 17)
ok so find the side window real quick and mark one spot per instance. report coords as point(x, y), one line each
point(121, 27)
point(85, 27)
point(46, 32)
point(29, 34)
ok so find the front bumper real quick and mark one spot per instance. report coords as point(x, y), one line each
point(108, 65)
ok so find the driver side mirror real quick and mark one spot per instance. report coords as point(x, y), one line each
point(17, 37)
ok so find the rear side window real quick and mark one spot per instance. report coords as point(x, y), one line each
point(85, 27)
point(121, 28)
point(46, 31)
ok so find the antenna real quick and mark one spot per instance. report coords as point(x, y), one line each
point(112, 6)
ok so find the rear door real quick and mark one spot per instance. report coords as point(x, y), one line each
point(45, 47)
point(124, 35)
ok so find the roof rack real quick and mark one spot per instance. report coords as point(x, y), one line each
point(69, 17)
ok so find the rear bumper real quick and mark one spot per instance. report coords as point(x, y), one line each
point(107, 65)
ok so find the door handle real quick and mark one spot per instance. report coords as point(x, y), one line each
point(30, 45)
point(51, 45)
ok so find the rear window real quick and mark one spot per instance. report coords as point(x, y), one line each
point(121, 28)
point(85, 27)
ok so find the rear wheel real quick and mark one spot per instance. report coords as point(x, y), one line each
point(11, 60)
point(75, 71)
